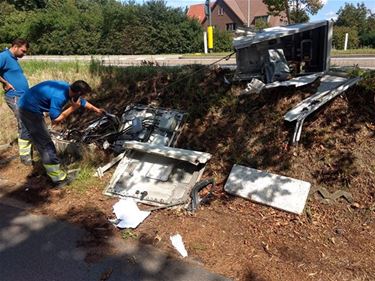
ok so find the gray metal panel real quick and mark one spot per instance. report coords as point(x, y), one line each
point(276, 32)
point(281, 192)
point(297, 81)
point(154, 179)
point(328, 46)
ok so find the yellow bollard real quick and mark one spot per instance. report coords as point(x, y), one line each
point(210, 35)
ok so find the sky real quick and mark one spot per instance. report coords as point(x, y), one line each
point(328, 11)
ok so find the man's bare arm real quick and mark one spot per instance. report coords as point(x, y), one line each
point(91, 107)
point(63, 115)
point(6, 85)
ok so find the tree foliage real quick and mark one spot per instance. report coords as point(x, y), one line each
point(26, 5)
point(67, 27)
point(357, 18)
point(296, 10)
point(353, 16)
point(339, 37)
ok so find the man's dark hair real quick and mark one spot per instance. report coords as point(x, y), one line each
point(20, 42)
point(81, 87)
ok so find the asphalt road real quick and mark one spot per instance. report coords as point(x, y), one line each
point(361, 61)
point(39, 248)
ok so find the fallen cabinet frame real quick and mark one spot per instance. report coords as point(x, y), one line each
point(306, 48)
point(157, 175)
point(330, 87)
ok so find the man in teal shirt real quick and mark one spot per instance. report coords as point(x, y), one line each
point(15, 85)
point(51, 97)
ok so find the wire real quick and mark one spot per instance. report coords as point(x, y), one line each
point(199, 70)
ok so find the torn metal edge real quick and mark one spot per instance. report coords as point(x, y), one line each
point(312, 103)
point(194, 157)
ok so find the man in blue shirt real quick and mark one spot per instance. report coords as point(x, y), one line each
point(51, 97)
point(15, 85)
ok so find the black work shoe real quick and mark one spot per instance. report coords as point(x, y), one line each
point(26, 160)
point(68, 180)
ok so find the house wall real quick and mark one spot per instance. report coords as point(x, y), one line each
point(257, 8)
point(221, 21)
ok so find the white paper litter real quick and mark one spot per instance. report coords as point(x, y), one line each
point(179, 244)
point(127, 211)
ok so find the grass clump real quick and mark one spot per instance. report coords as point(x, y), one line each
point(128, 234)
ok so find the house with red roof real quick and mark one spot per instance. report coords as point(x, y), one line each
point(231, 14)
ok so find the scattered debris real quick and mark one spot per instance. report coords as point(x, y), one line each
point(138, 122)
point(255, 86)
point(179, 244)
point(196, 200)
point(329, 197)
point(128, 214)
point(277, 191)
point(101, 170)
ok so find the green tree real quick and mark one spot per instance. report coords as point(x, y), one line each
point(223, 41)
point(101, 27)
point(260, 24)
point(295, 10)
point(339, 37)
point(353, 16)
point(26, 5)
point(66, 28)
point(298, 16)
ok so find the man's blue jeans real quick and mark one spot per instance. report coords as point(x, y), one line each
point(12, 103)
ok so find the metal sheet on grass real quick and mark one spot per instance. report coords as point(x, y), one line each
point(277, 191)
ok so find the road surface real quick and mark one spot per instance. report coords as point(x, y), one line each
point(364, 62)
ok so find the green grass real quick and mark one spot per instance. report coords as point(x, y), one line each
point(85, 179)
point(197, 55)
point(38, 71)
point(351, 52)
point(128, 234)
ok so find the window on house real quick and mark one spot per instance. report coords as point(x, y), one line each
point(231, 26)
point(220, 11)
point(262, 18)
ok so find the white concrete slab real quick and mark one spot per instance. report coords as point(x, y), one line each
point(277, 191)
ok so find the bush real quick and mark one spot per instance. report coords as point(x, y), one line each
point(64, 27)
point(368, 39)
point(223, 41)
point(339, 37)
point(3, 46)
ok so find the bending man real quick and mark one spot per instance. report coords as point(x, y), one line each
point(51, 97)
point(15, 85)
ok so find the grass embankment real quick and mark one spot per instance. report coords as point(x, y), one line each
point(38, 71)
point(353, 52)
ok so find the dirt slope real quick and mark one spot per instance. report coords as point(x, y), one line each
point(232, 236)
